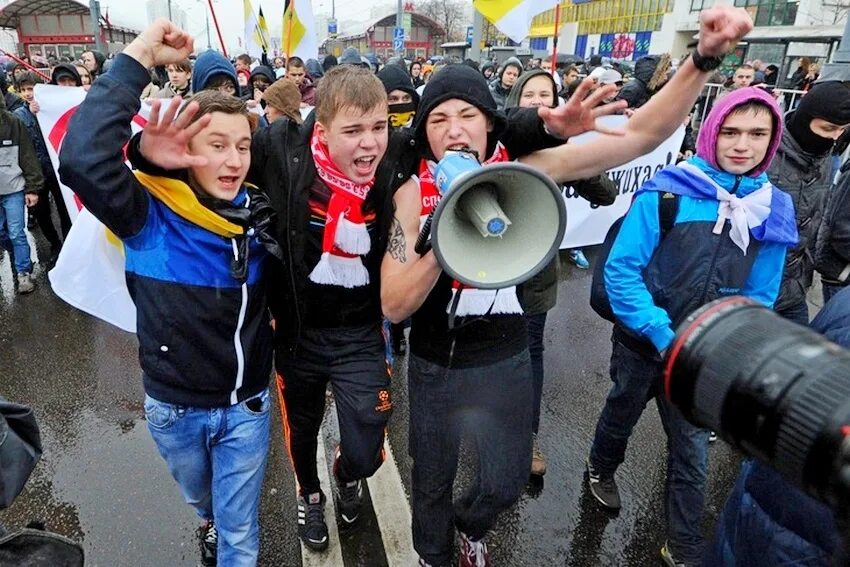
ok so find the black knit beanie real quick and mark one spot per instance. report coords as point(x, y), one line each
point(829, 101)
point(464, 83)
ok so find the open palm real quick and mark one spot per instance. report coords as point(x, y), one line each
point(579, 114)
point(165, 141)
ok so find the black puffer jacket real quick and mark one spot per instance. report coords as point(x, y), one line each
point(805, 177)
point(646, 80)
point(832, 250)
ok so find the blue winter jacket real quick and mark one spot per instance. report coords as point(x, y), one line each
point(205, 338)
point(653, 284)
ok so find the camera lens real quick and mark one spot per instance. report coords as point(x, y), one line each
point(775, 389)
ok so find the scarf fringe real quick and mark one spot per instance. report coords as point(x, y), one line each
point(352, 237)
point(479, 301)
point(337, 270)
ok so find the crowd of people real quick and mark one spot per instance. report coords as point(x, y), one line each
point(269, 226)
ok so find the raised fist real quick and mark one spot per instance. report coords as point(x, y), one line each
point(721, 28)
point(162, 43)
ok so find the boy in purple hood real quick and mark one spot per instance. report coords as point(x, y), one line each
point(727, 235)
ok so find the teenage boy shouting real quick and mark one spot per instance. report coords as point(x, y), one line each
point(194, 262)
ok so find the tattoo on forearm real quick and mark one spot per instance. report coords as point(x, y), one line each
point(397, 245)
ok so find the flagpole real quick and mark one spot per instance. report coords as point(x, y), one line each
point(25, 64)
point(555, 39)
point(217, 29)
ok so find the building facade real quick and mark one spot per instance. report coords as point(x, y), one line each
point(423, 38)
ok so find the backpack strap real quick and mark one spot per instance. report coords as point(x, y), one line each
point(668, 208)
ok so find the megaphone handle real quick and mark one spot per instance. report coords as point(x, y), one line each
point(423, 243)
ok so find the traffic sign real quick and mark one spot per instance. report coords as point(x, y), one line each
point(398, 39)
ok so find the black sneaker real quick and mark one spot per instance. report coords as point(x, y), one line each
point(312, 528)
point(604, 489)
point(208, 539)
point(350, 498)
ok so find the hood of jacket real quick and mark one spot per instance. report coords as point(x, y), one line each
point(516, 92)
point(209, 64)
point(395, 77)
point(650, 69)
point(791, 151)
point(707, 141)
point(510, 61)
point(262, 70)
point(314, 68)
point(65, 69)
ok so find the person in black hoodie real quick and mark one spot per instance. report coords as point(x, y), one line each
point(402, 97)
point(93, 61)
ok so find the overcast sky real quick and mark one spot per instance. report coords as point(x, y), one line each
point(230, 16)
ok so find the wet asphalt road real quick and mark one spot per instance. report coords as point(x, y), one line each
point(102, 482)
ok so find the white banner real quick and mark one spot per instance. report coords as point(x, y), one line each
point(89, 273)
point(588, 224)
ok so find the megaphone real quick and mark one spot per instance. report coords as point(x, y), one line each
point(496, 225)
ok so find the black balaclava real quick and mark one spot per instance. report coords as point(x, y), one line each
point(829, 101)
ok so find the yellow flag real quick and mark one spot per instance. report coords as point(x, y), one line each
point(513, 17)
point(299, 30)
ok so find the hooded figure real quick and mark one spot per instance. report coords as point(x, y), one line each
point(395, 78)
point(65, 70)
point(650, 75)
point(314, 70)
point(488, 69)
point(264, 72)
point(329, 63)
point(727, 234)
point(497, 89)
point(211, 65)
point(803, 169)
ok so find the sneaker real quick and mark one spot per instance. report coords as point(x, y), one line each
point(668, 559)
point(538, 461)
point(473, 553)
point(578, 258)
point(604, 489)
point(25, 284)
point(208, 539)
point(712, 436)
point(350, 498)
point(312, 528)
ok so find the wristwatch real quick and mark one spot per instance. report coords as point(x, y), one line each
point(706, 64)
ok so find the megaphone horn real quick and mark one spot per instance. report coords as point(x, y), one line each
point(496, 225)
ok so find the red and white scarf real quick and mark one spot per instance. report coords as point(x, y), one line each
point(345, 238)
point(472, 301)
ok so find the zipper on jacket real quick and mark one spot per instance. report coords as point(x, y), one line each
point(717, 249)
point(237, 335)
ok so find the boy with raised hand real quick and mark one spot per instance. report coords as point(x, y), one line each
point(195, 255)
point(476, 378)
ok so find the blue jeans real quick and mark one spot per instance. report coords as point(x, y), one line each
point(218, 458)
point(492, 406)
point(636, 381)
point(13, 235)
point(536, 328)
